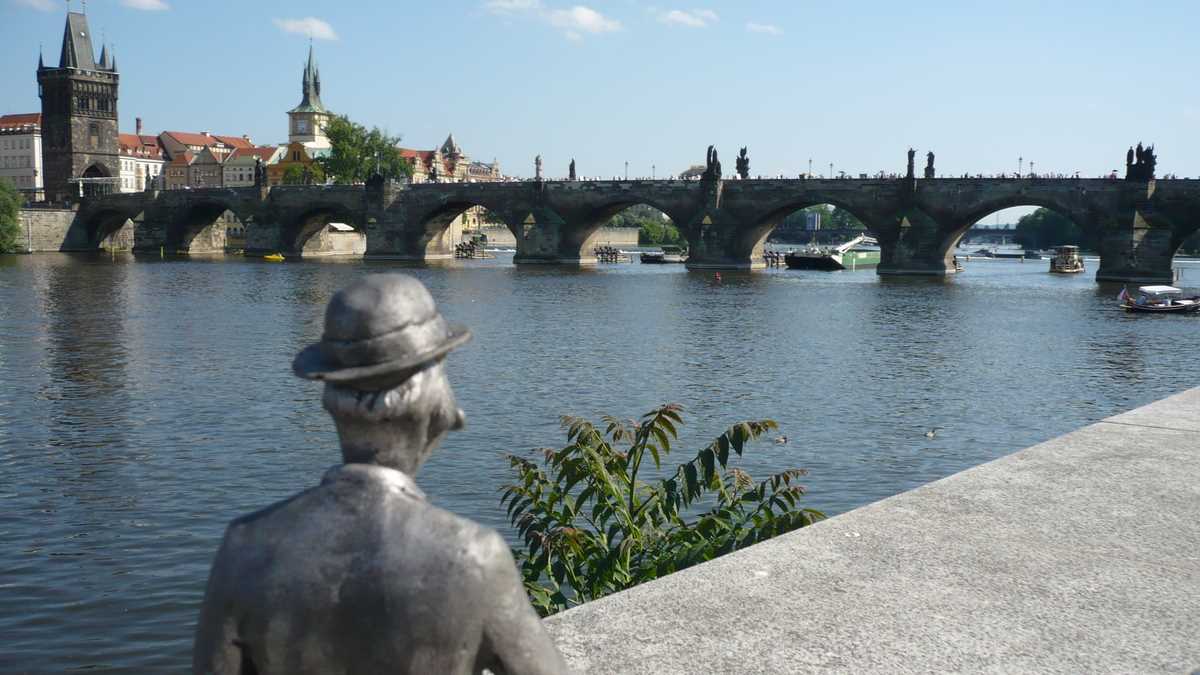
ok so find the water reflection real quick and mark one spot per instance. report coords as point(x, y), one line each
point(148, 403)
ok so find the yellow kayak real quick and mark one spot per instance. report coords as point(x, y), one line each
point(273, 257)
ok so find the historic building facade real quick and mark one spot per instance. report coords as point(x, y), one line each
point(449, 164)
point(79, 117)
point(239, 167)
point(142, 161)
point(21, 153)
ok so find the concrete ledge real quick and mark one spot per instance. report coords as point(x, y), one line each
point(1078, 555)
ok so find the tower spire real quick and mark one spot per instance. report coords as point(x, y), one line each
point(311, 85)
point(77, 49)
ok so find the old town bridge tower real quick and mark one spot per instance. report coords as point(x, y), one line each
point(79, 117)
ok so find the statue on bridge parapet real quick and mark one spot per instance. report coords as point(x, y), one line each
point(712, 165)
point(361, 572)
point(912, 164)
point(743, 164)
point(571, 170)
point(537, 167)
point(1140, 163)
point(929, 172)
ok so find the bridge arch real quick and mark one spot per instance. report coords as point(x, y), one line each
point(311, 232)
point(1086, 232)
point(631, 213)
point(433, 231)
point(199, 227)
point(103, 228)
point(1054, 228)
point(752, 240)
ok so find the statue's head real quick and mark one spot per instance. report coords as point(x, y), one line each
point(381, 360)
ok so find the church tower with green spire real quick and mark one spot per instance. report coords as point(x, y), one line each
point(79, 117)
point(306, 122)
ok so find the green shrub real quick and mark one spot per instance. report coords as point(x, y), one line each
point(589, 526)
point(10, 210)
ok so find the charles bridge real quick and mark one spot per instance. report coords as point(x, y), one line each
point(1139, 224)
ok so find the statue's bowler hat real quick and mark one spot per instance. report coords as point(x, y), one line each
point(378, 331)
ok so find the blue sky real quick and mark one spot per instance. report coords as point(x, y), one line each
point(1069, 85)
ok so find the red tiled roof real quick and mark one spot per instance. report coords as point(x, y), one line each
point(264, 153)
point(182, 159)
point(139, 146)
point(189, 138)
point(239, 142)
point(425, 157)
point(20, 120)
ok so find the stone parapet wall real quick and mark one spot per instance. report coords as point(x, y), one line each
point(45, 230)
point(1077, 555)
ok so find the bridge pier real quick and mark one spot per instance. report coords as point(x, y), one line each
point(544, 238)
point(1137, 255)
point(913, 244)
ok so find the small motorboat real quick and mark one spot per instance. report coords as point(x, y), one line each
point(1066, 260)
point(668, 254)
point(273, 257)
point(1158, 300)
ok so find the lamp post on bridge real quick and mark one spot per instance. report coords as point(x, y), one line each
point(653, 175)
point(1020, 165)
point(626, 169)
point(1031, 168)
point(810, 167)
point(831, 169)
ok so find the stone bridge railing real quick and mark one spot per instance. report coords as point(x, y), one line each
point(1138, 225)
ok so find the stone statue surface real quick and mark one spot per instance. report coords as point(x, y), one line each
point(743, 163)
point(929, 170)
point(361, 574)
point(1140, 163)
point(537, 167)
point(912, 169)
point(571, 170)
point(712, 164)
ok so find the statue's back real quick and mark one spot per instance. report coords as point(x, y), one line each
point(358, 575)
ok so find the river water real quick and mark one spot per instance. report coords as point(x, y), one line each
point(145, 404)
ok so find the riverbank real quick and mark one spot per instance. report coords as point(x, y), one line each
point(1080, 554)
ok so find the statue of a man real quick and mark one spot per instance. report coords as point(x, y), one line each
point(361, 574)
point(537, 167)
point(743, 163)
point(912, 169)
point(571, 170)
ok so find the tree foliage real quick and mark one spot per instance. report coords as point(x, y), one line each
point(10, 210)
point(590, 524)
point(1045, 229)
point(294, 175)
point(356, 151)
point(831, 218)
point(654, 227)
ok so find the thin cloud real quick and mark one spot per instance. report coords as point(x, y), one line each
point(146, 5)
point(579, 19)
point(309, 26)
point(768, 28)
point(696, 18)
point(40, 5)
point(512, 6)
point(574, 22)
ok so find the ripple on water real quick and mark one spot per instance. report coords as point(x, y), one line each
point(147, 404)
